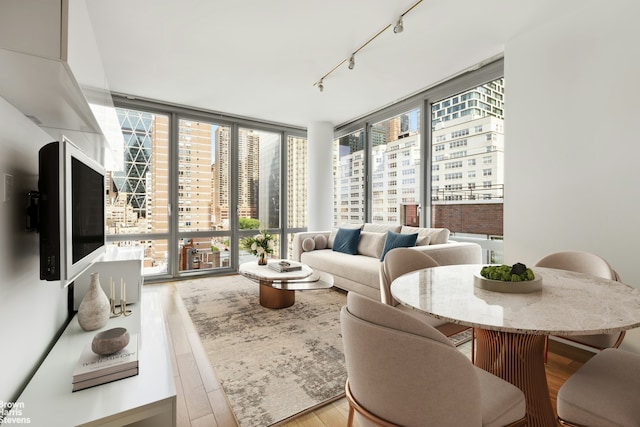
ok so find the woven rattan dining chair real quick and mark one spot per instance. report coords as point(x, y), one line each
point(403, 372)
point(401, 261)
point(587, 263)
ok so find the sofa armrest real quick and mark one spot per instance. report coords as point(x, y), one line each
point(454, 253)
point(298, 238)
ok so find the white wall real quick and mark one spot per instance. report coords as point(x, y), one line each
point(572, 137)
point(31, 311)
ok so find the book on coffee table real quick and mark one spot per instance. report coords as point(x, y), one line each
point(285, 266)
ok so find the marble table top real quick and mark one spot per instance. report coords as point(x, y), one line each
point(568, 304)
point(263, 272)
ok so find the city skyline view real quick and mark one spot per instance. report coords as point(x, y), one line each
point(467, 144)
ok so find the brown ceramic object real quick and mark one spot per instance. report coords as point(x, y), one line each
point(110, 341)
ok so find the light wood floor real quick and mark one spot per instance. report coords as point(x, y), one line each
point(202, 402)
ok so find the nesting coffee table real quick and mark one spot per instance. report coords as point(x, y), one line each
point(277, 290)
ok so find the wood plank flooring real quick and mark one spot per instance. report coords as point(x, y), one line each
point(201, 402)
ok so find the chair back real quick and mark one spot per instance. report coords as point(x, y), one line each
point(587, 263)
point(397, 262)
point(405, 371)
point(580, 262)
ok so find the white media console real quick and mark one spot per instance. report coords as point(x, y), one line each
point(145, 400)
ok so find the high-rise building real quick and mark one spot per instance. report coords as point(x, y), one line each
point(136, 129)
point(220, 178)
point(482, 101)
point(468, 150)
point(297, 186)
point(248, 172)
point(194, 176)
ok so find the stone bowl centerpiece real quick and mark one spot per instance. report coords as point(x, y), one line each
point(515, 279)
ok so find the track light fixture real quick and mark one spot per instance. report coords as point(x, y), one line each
point(399, 27)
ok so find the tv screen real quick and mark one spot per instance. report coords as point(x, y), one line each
point(71, 211)
point(87, 210)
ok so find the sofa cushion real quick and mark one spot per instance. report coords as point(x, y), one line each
point(371, 244)
point(423, 240)
point(437, 235)
point(308, 244)
point(332, 235)
point(347, 240)
point(398, 240)
point(381, 228)
point(356, 268)
point(320, 241)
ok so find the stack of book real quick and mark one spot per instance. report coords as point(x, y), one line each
point(285, 266)
point(93, 369)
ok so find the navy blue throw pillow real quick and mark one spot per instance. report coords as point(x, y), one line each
point(398, 240)
point(347, 240)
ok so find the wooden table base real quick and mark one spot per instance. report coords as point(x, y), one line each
point(518, 359)
point(271, 297)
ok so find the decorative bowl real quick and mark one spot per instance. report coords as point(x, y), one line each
point(507, 287)
point(109, 341)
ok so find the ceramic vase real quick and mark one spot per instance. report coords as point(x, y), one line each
point(94, 309)
point(262, 259)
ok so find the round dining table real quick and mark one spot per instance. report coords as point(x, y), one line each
point(510, 328)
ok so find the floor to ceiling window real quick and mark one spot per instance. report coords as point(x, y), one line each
point(467, 133)
point(386, 173)
point(191, 186)
point(203, 195)
point(259, 184)
point(137, 214)
point(395, 170)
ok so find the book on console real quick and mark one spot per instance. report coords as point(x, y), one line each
point(81, 385)
point(285, 266)
point(92, 366)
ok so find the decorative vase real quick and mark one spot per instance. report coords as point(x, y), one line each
point(262, 259)
point(94, 309)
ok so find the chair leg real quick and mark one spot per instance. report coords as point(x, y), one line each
point(351, 414)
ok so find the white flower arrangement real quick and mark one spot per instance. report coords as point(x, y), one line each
point(261, 243)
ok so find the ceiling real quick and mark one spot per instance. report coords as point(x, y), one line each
point(260, 59)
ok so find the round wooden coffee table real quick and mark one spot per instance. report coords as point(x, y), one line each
point(277, 290)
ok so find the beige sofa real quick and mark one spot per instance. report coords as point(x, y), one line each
point(360, 272)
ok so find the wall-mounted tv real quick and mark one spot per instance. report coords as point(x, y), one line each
point(71, 211)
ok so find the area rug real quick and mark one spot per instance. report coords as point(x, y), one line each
point(272, 364)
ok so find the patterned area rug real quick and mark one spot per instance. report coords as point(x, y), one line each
point(272, 364)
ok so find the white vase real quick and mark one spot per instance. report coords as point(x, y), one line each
point(94, 309)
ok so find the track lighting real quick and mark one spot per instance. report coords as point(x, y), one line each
point(399, 27)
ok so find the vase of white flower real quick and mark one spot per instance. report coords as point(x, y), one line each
point(262, 259)
point(261, 245)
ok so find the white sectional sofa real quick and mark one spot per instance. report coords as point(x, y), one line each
point(360, 272)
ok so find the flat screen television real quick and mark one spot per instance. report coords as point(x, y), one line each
point(71, 211)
